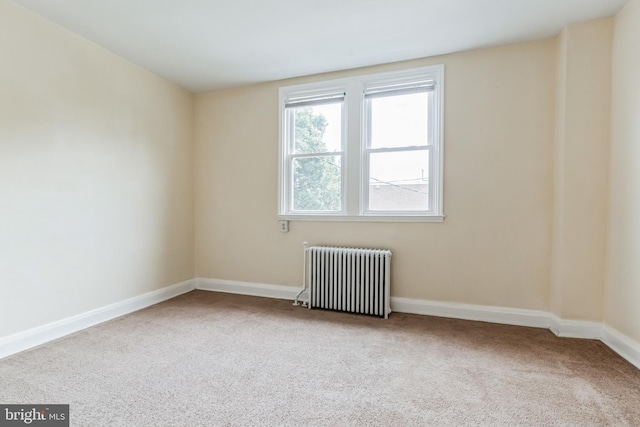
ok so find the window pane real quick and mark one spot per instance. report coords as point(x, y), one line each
point(317, 183)
point(399, 181)
point(399, 121)
point(318, 128)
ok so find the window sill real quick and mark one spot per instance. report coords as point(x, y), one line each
point(363, 218)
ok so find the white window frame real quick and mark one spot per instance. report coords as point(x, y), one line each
point(355, 146)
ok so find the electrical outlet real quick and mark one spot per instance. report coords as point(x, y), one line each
point(284, 226)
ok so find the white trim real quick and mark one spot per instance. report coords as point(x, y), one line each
point(503, 315)
point(355, 169)
point(285, 145)
point(575, 328)
point(247, 288)
point(42, 334)
point(623, 345)
point(362, 218)
point(626, 347)
point(619, 343)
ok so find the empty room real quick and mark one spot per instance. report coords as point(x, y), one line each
point(337, 213)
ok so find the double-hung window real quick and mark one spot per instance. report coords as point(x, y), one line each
point(363, 148)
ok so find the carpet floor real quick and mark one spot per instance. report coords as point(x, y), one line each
point(213, 359)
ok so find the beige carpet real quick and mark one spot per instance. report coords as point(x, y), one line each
point(210, 359)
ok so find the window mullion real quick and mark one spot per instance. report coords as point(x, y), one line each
point(353, 138)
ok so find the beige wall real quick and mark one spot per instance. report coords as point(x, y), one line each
point(583, 91)
point(493, 247)
point(95, 176)
point(623, 278)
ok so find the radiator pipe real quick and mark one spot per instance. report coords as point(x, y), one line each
point(296, 301)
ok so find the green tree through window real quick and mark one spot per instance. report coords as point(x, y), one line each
point(316, 179)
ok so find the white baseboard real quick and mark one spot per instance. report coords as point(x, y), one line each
point(508, 316)
point(33, 337)
point(247, 288)
point(623, 345)
point(575, 328)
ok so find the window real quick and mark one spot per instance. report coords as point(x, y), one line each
point(365, 148)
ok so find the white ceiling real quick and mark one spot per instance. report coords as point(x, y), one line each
point(206, 45)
